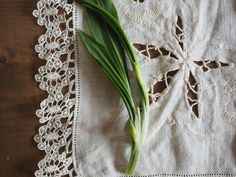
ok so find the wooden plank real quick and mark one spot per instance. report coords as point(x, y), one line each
point(20, 95)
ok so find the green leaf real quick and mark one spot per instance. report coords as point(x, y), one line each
point(109, 6)
point(108, 44)
point(103, 34)
point(102, 57)
point(115, 25)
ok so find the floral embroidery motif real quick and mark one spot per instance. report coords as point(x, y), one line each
point(181, 61)
point(138, 10)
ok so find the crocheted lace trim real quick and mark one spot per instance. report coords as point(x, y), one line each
point(57, 78)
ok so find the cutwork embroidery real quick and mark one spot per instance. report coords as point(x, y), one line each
point(179, 58)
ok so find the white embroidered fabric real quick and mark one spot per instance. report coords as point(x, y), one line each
point(187, 55)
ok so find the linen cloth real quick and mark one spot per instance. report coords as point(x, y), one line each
point(180, 141)
point(187, 54)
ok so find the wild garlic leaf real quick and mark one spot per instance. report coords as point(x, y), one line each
point(105, 36)
point(109, 6)
point(108, 44)
point(102, 57)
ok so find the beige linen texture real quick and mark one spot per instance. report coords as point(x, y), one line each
point(179, 141)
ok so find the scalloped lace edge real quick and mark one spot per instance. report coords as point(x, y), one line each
point(59, 79)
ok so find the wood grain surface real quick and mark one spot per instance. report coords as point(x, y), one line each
point(19, 93)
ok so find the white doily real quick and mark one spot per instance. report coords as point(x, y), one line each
point(187, 54)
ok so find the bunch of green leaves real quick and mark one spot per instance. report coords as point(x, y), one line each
point(109, 45)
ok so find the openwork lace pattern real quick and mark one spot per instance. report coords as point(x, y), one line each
point(183, 63)
point(57, 78)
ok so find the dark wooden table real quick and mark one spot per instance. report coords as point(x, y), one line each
point(19, 93)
